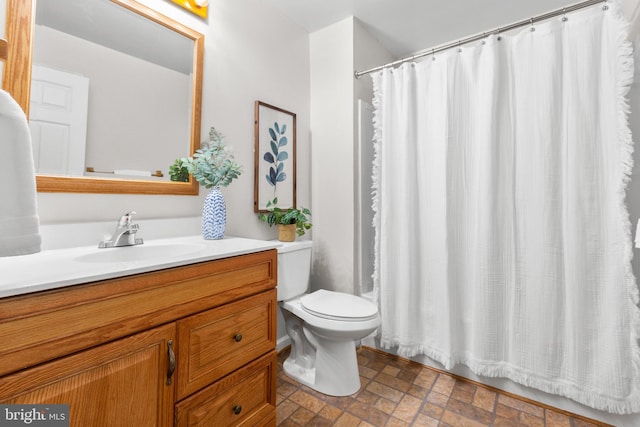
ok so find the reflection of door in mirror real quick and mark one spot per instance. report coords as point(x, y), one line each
point(58, 121)
point(139, 105)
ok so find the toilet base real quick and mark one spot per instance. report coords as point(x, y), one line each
point(306, 376)
point(337, 365)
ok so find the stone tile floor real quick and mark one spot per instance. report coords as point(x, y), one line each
point(399, 392)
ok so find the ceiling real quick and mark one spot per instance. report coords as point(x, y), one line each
point(118, 28)
point(408, 26)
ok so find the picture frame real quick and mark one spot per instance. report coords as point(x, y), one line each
point(275, 157)
point(199, 7)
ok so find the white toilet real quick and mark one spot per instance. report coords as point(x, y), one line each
point(323, 326)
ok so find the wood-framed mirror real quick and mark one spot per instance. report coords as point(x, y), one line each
point(20, 33)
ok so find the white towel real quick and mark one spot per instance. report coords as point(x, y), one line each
point(131, 172)
point(19, 222)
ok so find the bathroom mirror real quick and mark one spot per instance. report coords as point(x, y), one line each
point(136, 40)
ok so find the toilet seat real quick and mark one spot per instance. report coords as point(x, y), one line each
point(338, 306)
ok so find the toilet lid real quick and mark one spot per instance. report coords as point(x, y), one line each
point(338, 306)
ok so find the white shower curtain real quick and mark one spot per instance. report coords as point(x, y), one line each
point(502, 237)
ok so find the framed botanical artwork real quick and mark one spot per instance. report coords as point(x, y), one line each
point(275, 157)
point(199, 7)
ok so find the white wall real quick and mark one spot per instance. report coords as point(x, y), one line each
point(332, 129)
point(252, 52)
point(336, 52)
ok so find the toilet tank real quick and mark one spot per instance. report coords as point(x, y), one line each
point(294, 268)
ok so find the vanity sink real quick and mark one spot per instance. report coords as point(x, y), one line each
point(57, 268)
point(141, 253)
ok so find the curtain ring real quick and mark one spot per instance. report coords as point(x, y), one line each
point(484, 36)
point(606, 6)
point(459, 48)
point(498, 34)
point(433, 54)
point(564, 14)
point(532, 27)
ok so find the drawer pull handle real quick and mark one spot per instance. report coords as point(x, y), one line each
point(237, 409)
point(237, 337)
point(172, 361)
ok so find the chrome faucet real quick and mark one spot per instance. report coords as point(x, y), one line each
point(125, 234)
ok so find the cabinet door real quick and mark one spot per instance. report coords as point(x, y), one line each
point(122, 383)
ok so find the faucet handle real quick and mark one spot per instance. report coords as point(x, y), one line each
point(126, 219)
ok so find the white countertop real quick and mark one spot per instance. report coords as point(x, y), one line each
point(57, 268)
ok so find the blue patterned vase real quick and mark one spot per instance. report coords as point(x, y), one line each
point(214, 215)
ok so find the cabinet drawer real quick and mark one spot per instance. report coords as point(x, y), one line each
point(216, 342)
point(244, 398)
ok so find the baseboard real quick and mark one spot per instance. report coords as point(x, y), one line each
point(283, 342)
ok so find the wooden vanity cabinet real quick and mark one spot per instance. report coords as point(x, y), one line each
point(191, 345)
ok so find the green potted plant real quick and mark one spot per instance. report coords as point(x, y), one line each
point(178, 171)
point(213, 166)
point(290, 222)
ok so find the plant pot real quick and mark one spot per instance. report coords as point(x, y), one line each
point(286, 233)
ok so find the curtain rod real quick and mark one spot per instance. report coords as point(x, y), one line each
point(477, 37)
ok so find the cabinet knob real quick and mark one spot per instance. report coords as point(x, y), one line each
point(237, 337)
point(237, 409)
